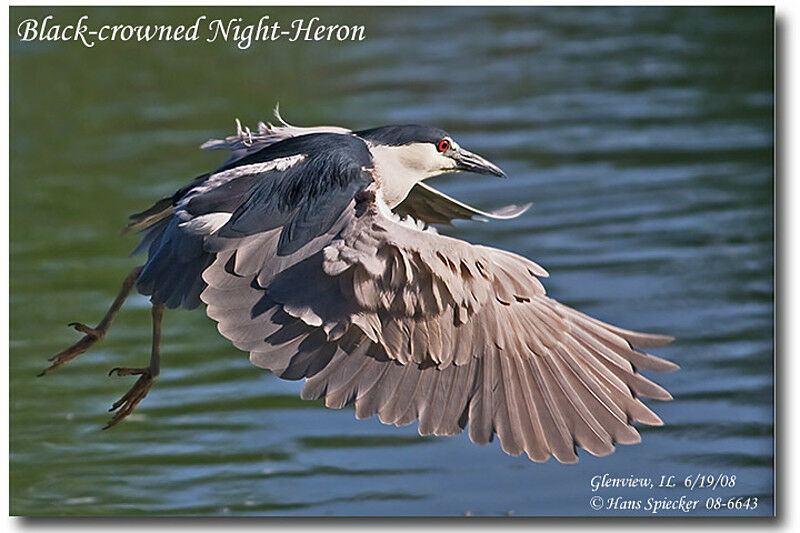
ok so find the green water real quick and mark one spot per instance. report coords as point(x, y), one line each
point(642, 135)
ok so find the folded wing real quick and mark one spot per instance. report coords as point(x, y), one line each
point(287, 185)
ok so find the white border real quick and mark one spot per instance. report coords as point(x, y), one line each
point(787, 232)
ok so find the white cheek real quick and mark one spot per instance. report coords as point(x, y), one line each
point(428, 161)
point(447, 162)
point(398, 168)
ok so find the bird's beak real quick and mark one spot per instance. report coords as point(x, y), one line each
point(466, 161)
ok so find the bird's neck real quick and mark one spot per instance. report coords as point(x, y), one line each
point(396, 170)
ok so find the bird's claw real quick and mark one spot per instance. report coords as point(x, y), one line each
point(86, 330)
point(91, 336)
point(125, 405)
point(123, 371)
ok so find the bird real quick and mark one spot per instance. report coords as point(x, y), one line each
point(317, 251)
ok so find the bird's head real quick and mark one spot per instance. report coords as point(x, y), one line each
point(405, 155)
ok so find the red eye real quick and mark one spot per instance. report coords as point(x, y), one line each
point(443, 145)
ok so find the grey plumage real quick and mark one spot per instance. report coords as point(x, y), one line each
point(295, 256)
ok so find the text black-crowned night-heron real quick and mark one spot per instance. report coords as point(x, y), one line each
point(311, 249)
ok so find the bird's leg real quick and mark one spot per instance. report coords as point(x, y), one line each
point(92, 335)
point(147, 375)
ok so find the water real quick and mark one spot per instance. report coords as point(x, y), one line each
point(643, 136)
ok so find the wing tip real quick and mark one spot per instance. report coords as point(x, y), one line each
point(655, 420)
point(669, 366)
point(651, 340)
point(505, 213)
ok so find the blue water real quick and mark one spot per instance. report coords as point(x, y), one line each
point(643, 136)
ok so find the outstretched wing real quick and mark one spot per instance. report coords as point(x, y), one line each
point(434, 207)
point(412, 325)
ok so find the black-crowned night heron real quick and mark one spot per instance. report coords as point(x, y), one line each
point(311, 249)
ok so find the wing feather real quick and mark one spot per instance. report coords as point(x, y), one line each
point(434, 207)
point(410, 325)
point(434, 400)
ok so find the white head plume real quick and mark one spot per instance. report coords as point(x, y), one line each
point(245, 141)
